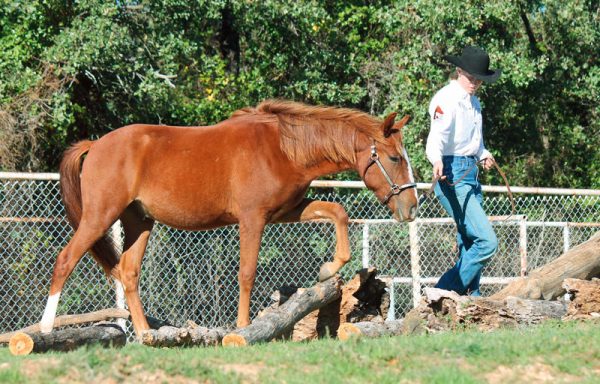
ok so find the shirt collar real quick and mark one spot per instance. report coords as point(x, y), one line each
point(460, 92)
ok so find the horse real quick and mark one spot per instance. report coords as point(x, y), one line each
point(251, 169)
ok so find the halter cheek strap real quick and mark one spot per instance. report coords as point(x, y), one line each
point(395, 189)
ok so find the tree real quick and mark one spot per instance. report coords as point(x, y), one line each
point(72, 70)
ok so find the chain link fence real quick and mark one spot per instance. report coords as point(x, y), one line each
point(193, 275)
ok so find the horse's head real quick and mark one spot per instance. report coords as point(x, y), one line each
point(385, 168)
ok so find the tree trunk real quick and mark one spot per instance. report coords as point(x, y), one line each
point(67, 339)
point(192, 335)
point(444, 310)
point(62, 321)
point(580, 262)
point(276, 321)
point(585, 298)
point(363, 299)
point(369, 329)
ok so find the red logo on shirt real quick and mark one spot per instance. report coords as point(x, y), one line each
point(438, 114)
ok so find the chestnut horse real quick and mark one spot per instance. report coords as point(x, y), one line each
point(251, 169)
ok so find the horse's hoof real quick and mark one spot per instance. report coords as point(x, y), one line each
point(327, 271)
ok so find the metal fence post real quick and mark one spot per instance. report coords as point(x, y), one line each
point(415, 262)
point(365, 246)
point(392, 310)
point(523, 244)
point(566, 238)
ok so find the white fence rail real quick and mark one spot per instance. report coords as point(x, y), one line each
point(193, 275)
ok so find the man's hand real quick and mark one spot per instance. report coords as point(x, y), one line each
point(438, 169)
point(488, 163)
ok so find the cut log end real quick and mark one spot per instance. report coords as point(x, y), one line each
point(233, 340)
point(347, 331)
point(20, 344)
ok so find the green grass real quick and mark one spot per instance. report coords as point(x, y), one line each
point(553, 352)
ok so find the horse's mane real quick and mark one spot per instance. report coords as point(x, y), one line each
point(309, 134)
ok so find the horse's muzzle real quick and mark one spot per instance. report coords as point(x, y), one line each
point(406, 214)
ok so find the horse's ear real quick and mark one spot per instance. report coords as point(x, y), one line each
point(402, 122)
point(388, 124)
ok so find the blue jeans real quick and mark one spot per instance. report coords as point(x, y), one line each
point(476, 239)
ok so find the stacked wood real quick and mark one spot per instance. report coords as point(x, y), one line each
point(67, 339)
point(275, 321)
point(363, 299)
point(442, 310)
point(190, 335)
point(584, 298)
point(581, 262)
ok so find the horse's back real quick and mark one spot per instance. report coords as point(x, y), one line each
point(186, 177)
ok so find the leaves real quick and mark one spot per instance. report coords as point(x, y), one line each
point(194, 62)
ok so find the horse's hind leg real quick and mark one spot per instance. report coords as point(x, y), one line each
point(137, 231)
point(251, 230)
point(311, 210)
point(83, 239)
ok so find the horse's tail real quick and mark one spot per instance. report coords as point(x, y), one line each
point(103, 250)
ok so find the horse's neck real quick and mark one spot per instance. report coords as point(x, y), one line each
point(327, 168)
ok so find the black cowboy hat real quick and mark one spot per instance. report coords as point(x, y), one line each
point(476, 62)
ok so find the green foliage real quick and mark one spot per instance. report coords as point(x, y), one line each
point(72, 70)
point(29, 251)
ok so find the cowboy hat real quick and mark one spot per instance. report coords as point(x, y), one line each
point(476, 62)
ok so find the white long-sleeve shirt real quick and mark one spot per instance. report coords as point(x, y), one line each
point(456, 124)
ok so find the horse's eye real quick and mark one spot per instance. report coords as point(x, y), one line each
point(395, 159)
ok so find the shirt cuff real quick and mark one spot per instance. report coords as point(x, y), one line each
point(434, 159)
point(485, 154)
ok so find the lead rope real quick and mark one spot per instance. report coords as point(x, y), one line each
point(435, 180)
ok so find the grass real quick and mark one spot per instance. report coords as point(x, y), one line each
point(552, 352)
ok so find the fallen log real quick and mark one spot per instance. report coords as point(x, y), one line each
point(363, 298)
point(442, 310)
point(370, 329)
point(65, 320)
point(107, 335)
point(276, 321)
point(581, 262)
point(534, 311)
point(584, 298)
point(191, 335)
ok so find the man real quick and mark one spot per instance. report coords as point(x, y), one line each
point(454, 147)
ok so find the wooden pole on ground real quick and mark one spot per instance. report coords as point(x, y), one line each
point(191, 335)
point(348, 331)
point(276, 321)
point(581, 262)
point(62, 321)
point(442, 310)
point(67, 339)
point(363, 299)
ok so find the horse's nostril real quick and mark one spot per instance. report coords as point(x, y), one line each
point(398, 216)
point(413, 211)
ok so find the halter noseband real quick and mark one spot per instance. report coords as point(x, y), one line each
point(395, 189)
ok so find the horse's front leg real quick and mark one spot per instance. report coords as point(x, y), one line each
point(251, 230)
point(311, 210)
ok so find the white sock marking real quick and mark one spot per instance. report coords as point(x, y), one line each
point(47, 322)
point(120, 301)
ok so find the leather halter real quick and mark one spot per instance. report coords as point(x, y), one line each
point(395, 189)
